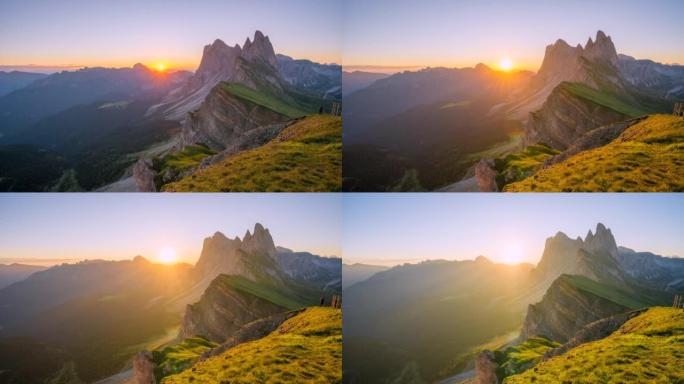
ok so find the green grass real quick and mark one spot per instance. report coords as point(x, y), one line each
point(262, 291)
point(605, 98)
point(518, 358)
point(305, 349)
point(265, 99)
point(190, 157)
point(305, 157)
point(175, 358)
point(647, 349)
point(646, 157)
point(614, 294)
point(517, 166)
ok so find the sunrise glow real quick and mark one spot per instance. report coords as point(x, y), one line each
point(512, 254)
point(167, 255)
point(506, 64)
point(161, 67)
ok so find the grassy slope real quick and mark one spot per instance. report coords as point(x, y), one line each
point(605, 98)
point(519, 165)
point(265, 99)
point(647, 157)
point(176, 358)
point(614, 294)
point(306, 348)
point(646, 349)
point(305, 157)
point(190, 157)
point(518, 358)
point(262, 291)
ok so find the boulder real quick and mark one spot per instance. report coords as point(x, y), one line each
point(143, 368)
point(144, 175)
point(485, 368)
point(485, 175)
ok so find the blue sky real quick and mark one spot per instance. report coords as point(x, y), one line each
point(393, 228)
point(123, 32)
point(120, 226)
point(459, 33)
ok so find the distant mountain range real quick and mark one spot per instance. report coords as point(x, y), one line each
point(94, 316)
point(11, 81)
point(452, 308)
point(239, 98)
point(436, 124)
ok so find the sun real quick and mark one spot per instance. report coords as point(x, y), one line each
point(506, 64)
point(512, 254)
point(167, 255)
point(161, 67)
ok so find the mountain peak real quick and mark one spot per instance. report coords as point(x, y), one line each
point(602, 49)
point(601, 241)
point(260, 50)
point(260, 242)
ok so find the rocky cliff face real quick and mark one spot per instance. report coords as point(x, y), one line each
point(223, 310)
point(564, 118)
point(223, 120)
point(564, 310)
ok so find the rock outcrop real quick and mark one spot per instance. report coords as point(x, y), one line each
point(144, 175)
point(143, 368)
point(259, 243)
point(485, 368)
point(224, 120)
point(564, 310)
point(485, 175)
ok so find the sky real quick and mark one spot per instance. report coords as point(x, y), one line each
point(121, 226)
point(75, 33)
point(390, 229)
point(462, 33)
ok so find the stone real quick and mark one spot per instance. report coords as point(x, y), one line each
point(485, 368)
point(144, 175)
point(485, 175)
point(143, 368)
